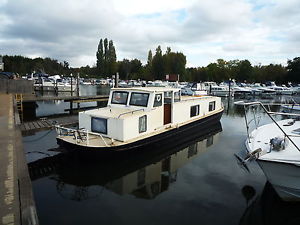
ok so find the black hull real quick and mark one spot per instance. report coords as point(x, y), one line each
point(171, 138)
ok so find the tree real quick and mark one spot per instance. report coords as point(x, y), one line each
point(100, 58)
point(111, 58)
point(147, 72)
point(106, 58)
point(293, 69)
point(245, 70)
point(158, 64)
point(124, 68)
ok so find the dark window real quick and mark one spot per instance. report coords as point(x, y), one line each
point(119, 97)
point(143, 124)
point(139, 99)
point(99, 125)
point(212, 106)
point(167, 97)
point(158, 100)
point(195, 110)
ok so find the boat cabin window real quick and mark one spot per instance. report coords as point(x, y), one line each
point(139, 99)
point(99, 125)
point(143, 124)
point(119, 97)
point(195, 110)
point(177, 96)
point(167, 97)
point(212, 106)
point(157, 100)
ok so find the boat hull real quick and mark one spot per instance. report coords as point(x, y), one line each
point(173, 137)
point(284, 177)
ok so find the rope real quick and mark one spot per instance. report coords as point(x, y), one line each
point(36, 139)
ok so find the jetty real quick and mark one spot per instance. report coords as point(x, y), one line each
point(74, 99)
point(17, 204)
point(46, 123)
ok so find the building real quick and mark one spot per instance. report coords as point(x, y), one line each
point(1, 64)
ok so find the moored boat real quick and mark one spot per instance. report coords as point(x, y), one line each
point(138, 117)
point(275, 146)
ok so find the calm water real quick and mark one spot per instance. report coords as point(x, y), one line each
point(46, 108)
point(197, 183)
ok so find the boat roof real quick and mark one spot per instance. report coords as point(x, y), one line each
point(147, 89)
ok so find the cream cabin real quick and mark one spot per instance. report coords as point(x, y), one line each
point(135, 117)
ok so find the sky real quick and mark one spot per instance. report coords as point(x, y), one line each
point(262, 31)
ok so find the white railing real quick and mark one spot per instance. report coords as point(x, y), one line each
point(79, 134)
point(133, 111)
point(270, 115)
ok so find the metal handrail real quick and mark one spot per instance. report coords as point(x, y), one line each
point(270, 116)
point(137, 110)
point(58, 127)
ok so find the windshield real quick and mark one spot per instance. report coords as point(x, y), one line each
point(139, 99)
point(119, 97)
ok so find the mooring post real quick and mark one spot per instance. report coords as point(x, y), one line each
point(77, 84)
point(71, 84)
point(71, 106)
point(117, 80)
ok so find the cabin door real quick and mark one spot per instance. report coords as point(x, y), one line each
point(167, 113)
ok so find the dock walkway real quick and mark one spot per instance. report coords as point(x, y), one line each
point(48, 123)
point(74, 99)
point(16, 198)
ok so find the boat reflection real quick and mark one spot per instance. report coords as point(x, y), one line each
point(144, 175)
point(268, 208)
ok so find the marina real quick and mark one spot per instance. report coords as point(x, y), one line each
point(149, 113)
point(198, 176)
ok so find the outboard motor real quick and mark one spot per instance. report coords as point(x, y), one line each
point(278, 143)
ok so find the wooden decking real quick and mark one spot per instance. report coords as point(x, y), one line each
point(48, 123)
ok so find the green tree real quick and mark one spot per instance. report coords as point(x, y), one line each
point(245, 70)
point(158, 64)
point(111, 58)
point(147, 72)
point(100, 58)
point(106, 58)
point(293, 70)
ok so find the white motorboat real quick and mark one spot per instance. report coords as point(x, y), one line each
point(194, 90)
point(283, 90)
point(275, 146)
point(139, 117)
point(291, 108)
point(216, 90)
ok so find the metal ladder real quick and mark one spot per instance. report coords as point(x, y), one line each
point(19, 100)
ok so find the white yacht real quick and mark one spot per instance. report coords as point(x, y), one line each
point(275, 146)
point(216, 90)
point(138, 117)
point(283, 90)
point(194, 89)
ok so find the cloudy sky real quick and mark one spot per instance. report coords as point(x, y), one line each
point(263, 31)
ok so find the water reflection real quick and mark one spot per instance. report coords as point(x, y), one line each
point(47, 108)
point(268, 208)
point(144, 175)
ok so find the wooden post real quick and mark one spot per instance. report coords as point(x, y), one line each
point(71, 107)
point(77, 83)
point(229, 88)
point(117, 80)
point(71, 85)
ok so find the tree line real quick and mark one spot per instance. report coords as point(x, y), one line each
point(157, 66)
